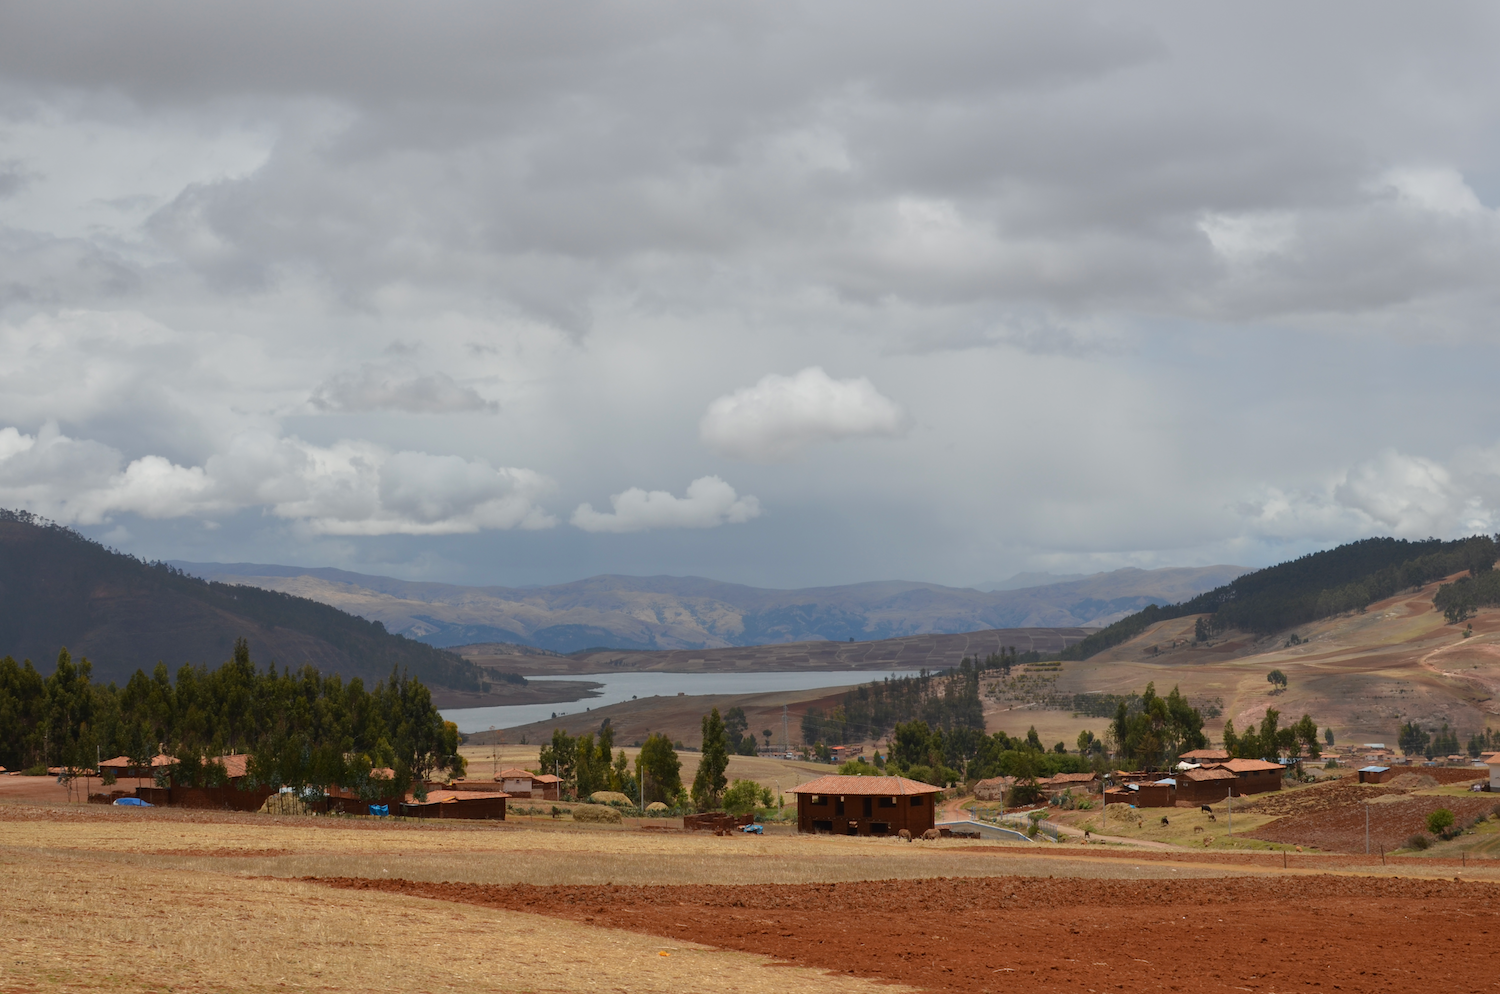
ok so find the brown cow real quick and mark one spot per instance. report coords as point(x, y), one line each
point(904, 835)
point(930, 834)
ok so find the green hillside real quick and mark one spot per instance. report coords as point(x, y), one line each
point(58, 589)
point(1318, 585)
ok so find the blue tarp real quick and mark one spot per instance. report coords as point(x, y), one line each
point(133, 802)
point(380, 810)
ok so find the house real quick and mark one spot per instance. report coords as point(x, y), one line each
point(1200, 786)
point(1158, 794)
point(993, 789)
point(546, 787)
point(1081, 782)
point(865, 805)
point(1252, 776)
point(124, 766)
point(1204, 756)
point(517, 782)
point(1492, 760)
point(1375, 774)
point(471, 804)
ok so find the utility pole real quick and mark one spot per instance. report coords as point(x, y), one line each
point(1231, 811)
point(1367, 828)
point(786, 735)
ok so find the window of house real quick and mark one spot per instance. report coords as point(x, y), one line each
point(916, 801)
point(887, 802)
point(821, 800)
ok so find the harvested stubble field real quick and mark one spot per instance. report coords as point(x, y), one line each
point(109, 898)
point(1009, 933)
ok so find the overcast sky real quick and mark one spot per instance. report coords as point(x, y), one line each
point(779, 294)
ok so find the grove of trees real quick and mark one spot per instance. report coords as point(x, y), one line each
point(1270, 740)
point(299, 728)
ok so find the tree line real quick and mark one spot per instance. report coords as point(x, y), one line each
point(298, 727)
point(1318, 585)
point(944, 700)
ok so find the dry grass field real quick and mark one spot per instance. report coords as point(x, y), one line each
point(104, 898)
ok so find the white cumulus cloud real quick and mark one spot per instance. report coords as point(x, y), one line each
point(709, 502)
point(781, 415)
point(348, 488)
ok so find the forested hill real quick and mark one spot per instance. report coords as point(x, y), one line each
point(1318, 585)
point(59, 589)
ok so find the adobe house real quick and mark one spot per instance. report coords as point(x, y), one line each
point(1199, 787)
point(1252, 776)
point(458, 804)
point(546, 787)
point(518, 782)
point(1375, 774)
point(865, 805)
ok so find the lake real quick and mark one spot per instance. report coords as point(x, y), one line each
point(619, 687)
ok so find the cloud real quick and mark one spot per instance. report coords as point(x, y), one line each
point(709, 503)
point(349, 488)
point(374, 389)
point(781, 416)
point(1393, 493)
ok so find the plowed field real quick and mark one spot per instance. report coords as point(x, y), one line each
point(1314, 933)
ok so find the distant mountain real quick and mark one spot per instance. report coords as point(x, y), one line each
point(663, 612)
point(1023, 580)
point(59, 589)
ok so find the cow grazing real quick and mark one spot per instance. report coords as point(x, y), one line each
point(1206, 809)
point(1197, 829)
point(905, 835)
point(930, 835)
point(1164, 820)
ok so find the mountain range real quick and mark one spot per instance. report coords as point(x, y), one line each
point(664, 612)
point(59, 589)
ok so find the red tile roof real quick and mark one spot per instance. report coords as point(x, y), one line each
point(515, 774)
point(860, 786)
point(547, 778)
point(1204, 755)
point(1249, 765)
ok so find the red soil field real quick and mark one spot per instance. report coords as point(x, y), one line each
point(1314, 933)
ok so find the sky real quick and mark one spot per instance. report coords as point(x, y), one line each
point(782, 294)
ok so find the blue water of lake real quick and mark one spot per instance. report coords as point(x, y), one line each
point(618, 687)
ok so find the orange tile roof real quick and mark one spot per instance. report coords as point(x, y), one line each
point(547, 778)
point(515, 774)
point(1197, 755)
point(1248, 765)
point(859, 786)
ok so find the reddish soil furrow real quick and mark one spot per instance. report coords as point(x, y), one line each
point(1317, 933)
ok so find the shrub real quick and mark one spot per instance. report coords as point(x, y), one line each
point(1439, 821)
point(597, 813)
point(742, 796)
point(39, 770)
point(656, 809)
point(1418, 841)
